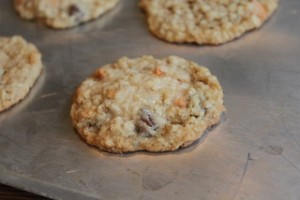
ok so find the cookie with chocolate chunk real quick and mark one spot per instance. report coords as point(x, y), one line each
point(63, 13)
point(147, 104)
point(20, 66)
point(205, 22)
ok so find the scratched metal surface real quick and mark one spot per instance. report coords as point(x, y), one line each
point(253, 154)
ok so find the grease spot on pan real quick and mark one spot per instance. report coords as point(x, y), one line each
point(273, 150)
point(155, 179)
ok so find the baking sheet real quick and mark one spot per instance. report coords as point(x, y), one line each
point(252, 154)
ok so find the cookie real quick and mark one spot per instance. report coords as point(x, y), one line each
point(205, 22)
point(20, 66)
point(146, 104)
point(63, 13)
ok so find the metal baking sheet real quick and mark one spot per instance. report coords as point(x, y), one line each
point(253, 154)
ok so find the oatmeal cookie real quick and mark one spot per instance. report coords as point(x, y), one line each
point(205, 22)
point(63, 13)
point(147, 104)
point(20, 66)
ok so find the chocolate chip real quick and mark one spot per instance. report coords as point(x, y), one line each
point(147, 118)
point(146, 125)
point(73, 10)
point(76, 13)
point(191, 4)
point(171, 9)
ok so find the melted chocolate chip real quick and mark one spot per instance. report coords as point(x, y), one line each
point(147, 118)
point(73, 10)
point(146, 125)
point(171, 9)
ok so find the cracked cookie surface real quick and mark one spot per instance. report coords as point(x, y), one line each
point(146, 104)
point(20, 66)
point(63, 13)
point(205, 22)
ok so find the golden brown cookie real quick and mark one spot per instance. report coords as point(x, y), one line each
point(147, 104)
point(20, 66)
point(205, 22)
point(63, 13)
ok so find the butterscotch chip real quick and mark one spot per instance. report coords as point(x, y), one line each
point(63, 13)
point(20, 66)
point(146, 111)
point(205, 21)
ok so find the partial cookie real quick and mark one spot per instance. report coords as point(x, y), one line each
point(147, 104)
point(205, 21)
point(20, 66)
point(63, 13)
